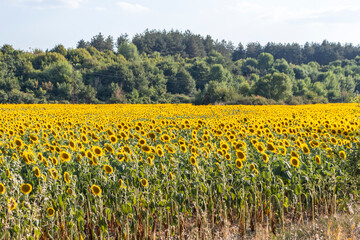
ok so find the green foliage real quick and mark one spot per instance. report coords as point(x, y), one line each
point(161, 67)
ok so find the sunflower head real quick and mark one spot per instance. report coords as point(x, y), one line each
point(96, 190)
point(265, 157)
point(342, 155)
point(65, 156)
point(2, 189)
point(108, 169)
point(318, 159)
point(97, 150)
point(67, 177)
point(144, 182)
point(26, 188)
point(53, 173)
point(50, 211)
point(37, 172)
point(193, 160)
point(239, 163)
point(295, 162)
point(11, 204)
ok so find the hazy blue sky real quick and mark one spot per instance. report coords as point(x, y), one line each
point(45, 23)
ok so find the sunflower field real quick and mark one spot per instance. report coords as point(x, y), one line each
point(166, 171)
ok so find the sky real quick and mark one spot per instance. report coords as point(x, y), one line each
point(42, 24)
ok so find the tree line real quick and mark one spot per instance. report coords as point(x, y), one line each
point(180, 67)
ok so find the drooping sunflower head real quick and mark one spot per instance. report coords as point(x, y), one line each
point(318, 159)
point(26, 188)
point(96, 190)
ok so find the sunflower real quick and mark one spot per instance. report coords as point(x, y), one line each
point(265, 157)
point(53, 173)
point(165, 138)
point(50, 211)
point(318, 159)
point(193, 161)
point(342, 155)
point(72, 145)
point(183, 148)
point(11, 204)
point(252, 166)
point(142, 141)
point(294, 154)
point(171, 176)
point(240, 155)
point(66, 177)
point(239, 163)
point(96, 190)
point(144, 182)
point(305, 148)
point(69, 191)
point(26, 188)
point(160, 152)
point(271, 147)
point(65, 156)
point(260, 147)
point(19, 143)
point(89, 154)
point(121, 183)
point(145, 148)
point(113, 139)
point(97, 150)
point(37, 172)
point(108, 169)
point(295, 162)
point(227, 156)
point(2, 189)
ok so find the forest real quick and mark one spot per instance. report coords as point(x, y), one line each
point(180, 67)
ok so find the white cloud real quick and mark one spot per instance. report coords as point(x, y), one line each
point(134, 8)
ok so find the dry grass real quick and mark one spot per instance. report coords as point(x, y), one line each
point(337, 227)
